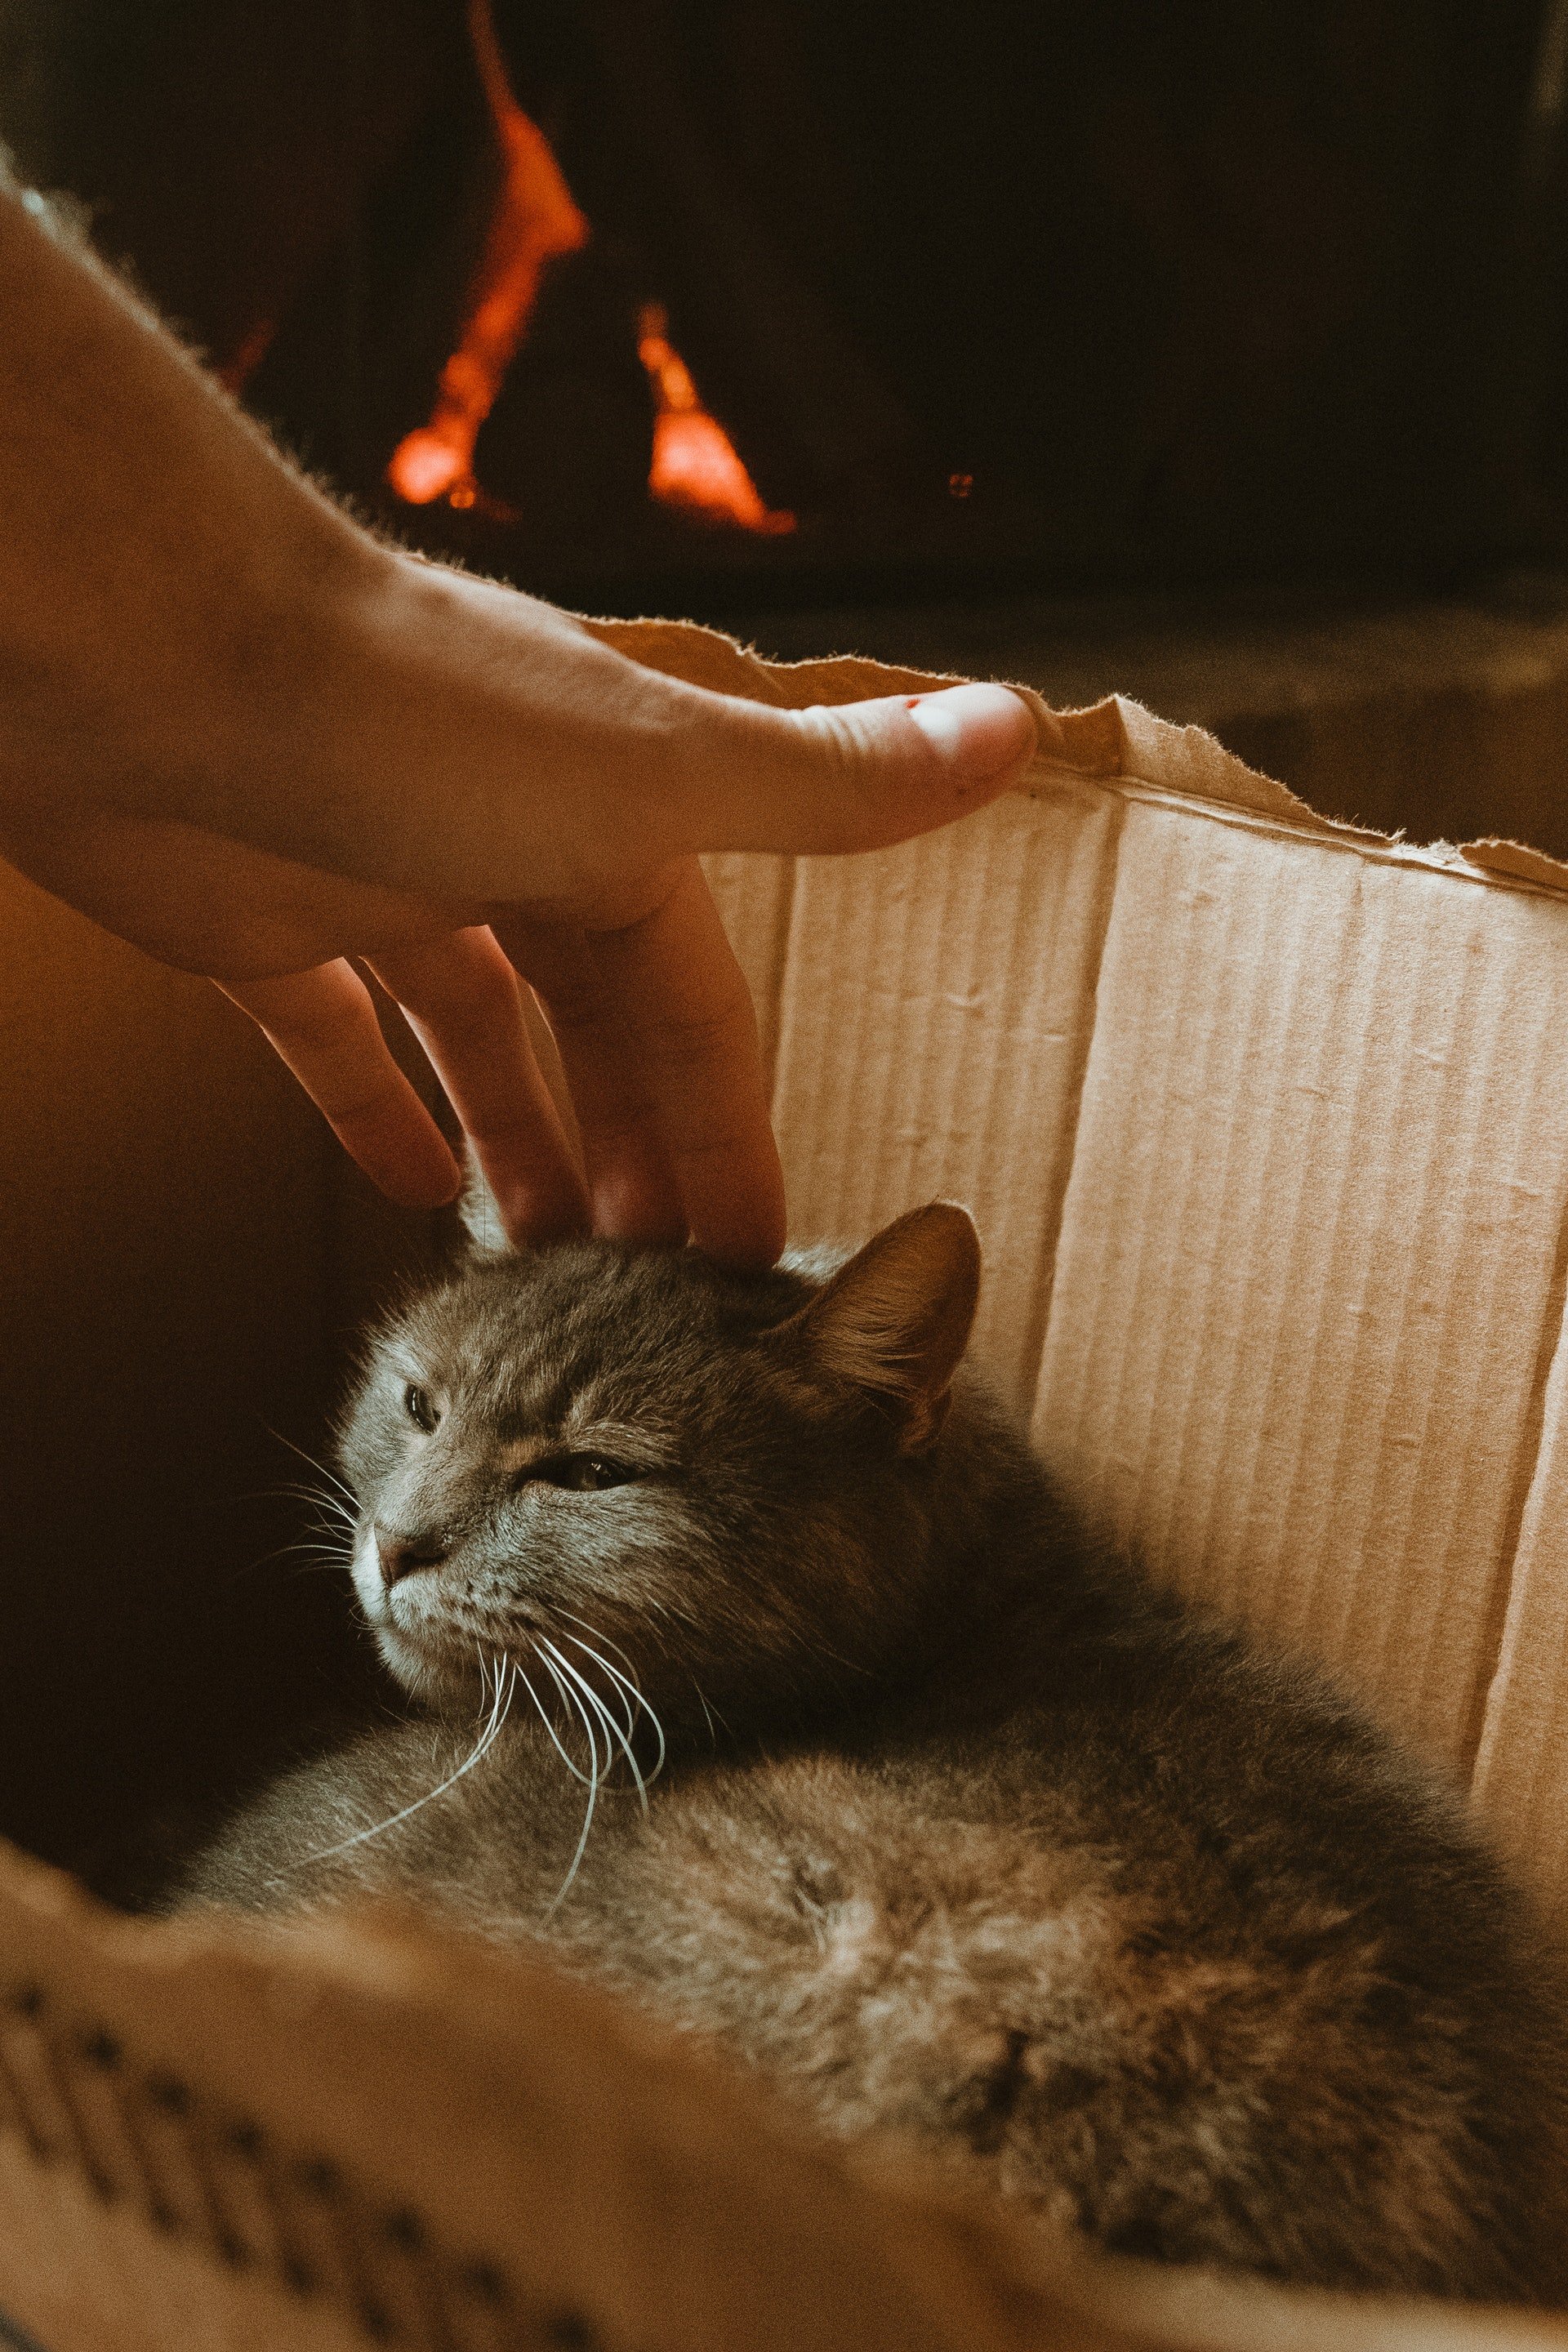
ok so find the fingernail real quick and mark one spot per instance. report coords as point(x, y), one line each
point(980, 732)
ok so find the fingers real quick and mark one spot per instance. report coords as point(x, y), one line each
point(853, 775)
point(677, 972)
point(460, 997)
point(324, 1024)
point(659, 1044)
point(632, 1186)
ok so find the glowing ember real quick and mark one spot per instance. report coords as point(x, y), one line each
point(695, 463)
point(535, 219)
point(247, 356)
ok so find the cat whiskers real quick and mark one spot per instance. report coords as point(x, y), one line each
point(330, 1560)
point(625, 1683)
point(543, 1713)
point(317, 1493)
point(711, 1714)
point(506, 1678)
point(332, 1536)
point(563, 1672)
point(575, 1681)
point(566, 1692)
point(573, 1688)
point(334, 1521)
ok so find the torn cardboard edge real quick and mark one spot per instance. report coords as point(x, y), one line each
point(1115, 741)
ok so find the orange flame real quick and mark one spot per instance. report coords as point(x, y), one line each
point(695, 467)
point(695, 464)
point(535, 219)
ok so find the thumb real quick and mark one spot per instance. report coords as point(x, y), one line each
point(853, 775)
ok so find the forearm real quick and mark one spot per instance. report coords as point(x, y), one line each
point(190, 630)
point(166, 577)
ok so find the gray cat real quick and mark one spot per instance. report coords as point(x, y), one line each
point(812, 1722)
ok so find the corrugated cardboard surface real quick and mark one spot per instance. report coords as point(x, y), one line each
point(917, 984)
point(1308, 1253)
point(1521, 1769)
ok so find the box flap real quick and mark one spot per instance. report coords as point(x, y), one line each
point(372, 2128)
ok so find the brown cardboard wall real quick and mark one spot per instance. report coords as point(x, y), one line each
point(1521, 1768)
point(920, 986)
point(1308, 1259)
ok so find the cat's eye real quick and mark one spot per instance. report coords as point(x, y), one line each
point(583, 1474)
point(416, 1404)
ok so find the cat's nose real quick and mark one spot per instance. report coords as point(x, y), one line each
point(400, 1555)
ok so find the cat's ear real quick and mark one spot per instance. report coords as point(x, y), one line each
point(481, 1218)
point(896, 1319)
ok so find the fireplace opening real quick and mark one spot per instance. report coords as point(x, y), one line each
point(715, 307)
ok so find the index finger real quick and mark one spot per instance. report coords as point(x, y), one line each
point(459, 996)
point(669, 984)
point(322, 1023)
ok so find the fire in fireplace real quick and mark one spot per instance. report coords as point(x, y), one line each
point(693, 466)
point(533, 224)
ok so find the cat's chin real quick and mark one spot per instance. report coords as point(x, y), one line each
point(425, 1673)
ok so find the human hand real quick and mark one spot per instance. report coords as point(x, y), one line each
point(481, 791)
point(240, 732)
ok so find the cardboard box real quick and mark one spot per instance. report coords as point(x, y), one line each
point(1265, 1123)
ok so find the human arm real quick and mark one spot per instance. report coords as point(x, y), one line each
point(239, 730)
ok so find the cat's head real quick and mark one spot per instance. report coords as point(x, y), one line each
point(591, 1459)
